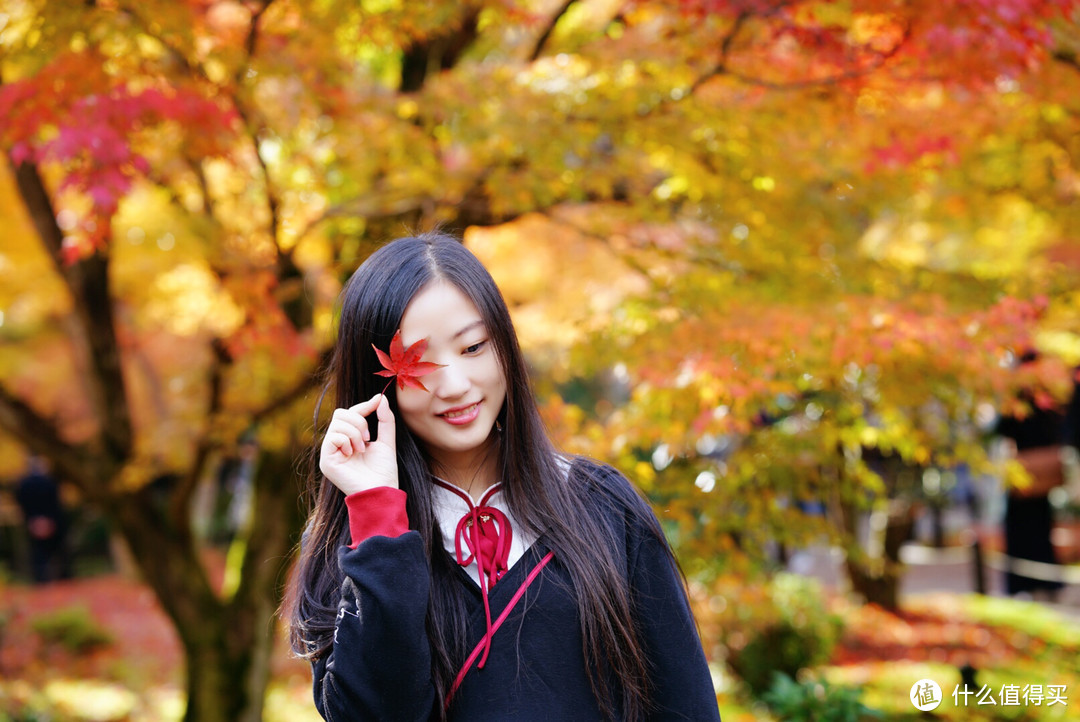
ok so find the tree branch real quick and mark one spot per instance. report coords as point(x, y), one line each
point(176, 53)
point(1067, 57)
point(41, 436)
point(538, 48)
point(794, 84)
point(42, 214)
point(254, 129)
point(631, 262)
point(443, 49)
point(253, 30)
point(273, 205)
point(180, 500)
point(722, 66)
point(88, 283)
point(208, 204)
point(725, 51)
point(370, 206)
point(297, 391)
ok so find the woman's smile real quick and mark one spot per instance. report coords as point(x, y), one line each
point(462, 415)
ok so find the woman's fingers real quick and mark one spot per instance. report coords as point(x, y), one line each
point(349, 433)
point(353, 436)
point(337, 442)
point(365, 408)
point(350, 424)
point(387, 424)
point(348, 457)
point(356, 416)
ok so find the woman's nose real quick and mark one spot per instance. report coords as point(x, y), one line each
point(450, 382)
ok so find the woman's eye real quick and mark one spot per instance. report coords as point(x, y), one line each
point(475, 347)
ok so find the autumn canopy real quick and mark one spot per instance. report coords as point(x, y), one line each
point(760, 252)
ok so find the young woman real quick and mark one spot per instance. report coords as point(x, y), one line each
point(455, 566)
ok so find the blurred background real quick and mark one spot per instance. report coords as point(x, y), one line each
point(805, 271)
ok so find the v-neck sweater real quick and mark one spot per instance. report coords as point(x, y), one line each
point(379, 666)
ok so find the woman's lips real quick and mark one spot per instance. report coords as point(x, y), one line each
point(462, 415)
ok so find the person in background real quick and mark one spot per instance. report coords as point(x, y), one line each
point(1036, 441)
point(38, 496)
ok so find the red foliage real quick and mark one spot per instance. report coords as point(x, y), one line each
point(876, 635)
point(266, 326)
point(73, 114)
point(958, 42)
point(904, 152)
point(127, 609)
point(405, 363)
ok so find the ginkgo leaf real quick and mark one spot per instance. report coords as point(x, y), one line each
point(405, 363)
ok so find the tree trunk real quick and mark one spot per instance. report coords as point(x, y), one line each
point(873, 566)
point(228, 634)
point(228, 664)
point(875, 576)
point(227, 639)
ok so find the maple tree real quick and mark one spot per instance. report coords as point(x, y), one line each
point(798, 232)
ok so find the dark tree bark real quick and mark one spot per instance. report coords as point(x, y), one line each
point(875, 578)
point(878, 581)
point(227, 637)
point(227, 640)
point(438, 51)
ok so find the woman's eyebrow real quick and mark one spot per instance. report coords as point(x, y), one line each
point(467, 328)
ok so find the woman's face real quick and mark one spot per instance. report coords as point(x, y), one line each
point(454, 418)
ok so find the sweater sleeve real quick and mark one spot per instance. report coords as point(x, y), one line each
point(379, 666)
point(682, 687)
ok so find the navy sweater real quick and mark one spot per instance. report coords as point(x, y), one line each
point(379, 667)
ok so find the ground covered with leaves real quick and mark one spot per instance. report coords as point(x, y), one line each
point(100, 648)
point(1022, 660)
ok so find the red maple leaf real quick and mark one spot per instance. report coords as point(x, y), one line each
point(405, 363)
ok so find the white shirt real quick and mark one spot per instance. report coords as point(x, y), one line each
point(450, 507)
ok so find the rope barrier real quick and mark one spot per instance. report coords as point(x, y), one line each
point(1042, 571)
point(919, 555)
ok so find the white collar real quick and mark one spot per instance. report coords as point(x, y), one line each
point(451, 502)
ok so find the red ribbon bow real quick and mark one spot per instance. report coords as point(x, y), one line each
point(485, 533)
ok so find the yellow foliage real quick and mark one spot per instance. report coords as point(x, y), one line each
point(762, 283)
point(1007, 244)
point(90, 700)
point(30, 291)
point(557, 280)
point(186, 301)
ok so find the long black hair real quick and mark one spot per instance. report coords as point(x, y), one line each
point(532, 472)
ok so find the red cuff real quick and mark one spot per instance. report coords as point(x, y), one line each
point(376, 512)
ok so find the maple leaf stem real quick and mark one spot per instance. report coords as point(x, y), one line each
point(384, 388)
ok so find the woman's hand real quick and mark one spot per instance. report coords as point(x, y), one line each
point(348, 457)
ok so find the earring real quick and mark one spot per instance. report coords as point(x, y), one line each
point(498, 426)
